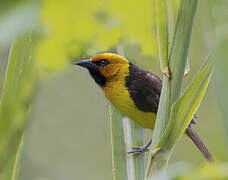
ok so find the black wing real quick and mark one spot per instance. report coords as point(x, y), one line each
point(144, 88)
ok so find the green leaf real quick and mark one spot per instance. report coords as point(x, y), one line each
point(11, 170)
point(125, 134)
point(17, 96)
point(180, 45)
point(126, 18)
point(134, 136)
point(186, 106)
point(159, 128)
point(163, 113)
point(162, 35)
point(119, 165)
point(181, 114)
point(177, 64)
point(70, 35)
point(103, 25)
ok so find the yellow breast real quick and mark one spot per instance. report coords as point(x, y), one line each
point(117, 93)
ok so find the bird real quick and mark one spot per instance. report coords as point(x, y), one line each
point(134, 91)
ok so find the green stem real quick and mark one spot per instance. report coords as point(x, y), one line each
point(119, 165)
point(158, 157)
point(160, 125)
point(162, 35)
point(134, 137)
point(180, 45)
point(17, 96)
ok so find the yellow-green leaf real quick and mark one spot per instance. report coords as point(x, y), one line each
point(186, 106)
point(17, 96)
point(74, 28)
point(119, 165)
point(162, 35)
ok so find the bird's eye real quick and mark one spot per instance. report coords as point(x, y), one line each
point(103, 62)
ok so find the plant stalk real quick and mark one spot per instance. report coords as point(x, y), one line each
point(158, 156)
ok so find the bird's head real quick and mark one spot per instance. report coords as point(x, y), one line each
point(103, 67)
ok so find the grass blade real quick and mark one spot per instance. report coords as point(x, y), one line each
point(181, 44)
point(181, 114)
point(186, 106)
point(11, 170)
point(16, 96)
point(119, 165)
point(164, 106)
point(163, 113)
point(162, 35)
point(177, 64)
point(160, 126)
point(134, 136)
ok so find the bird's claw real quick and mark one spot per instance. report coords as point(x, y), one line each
point(139, 150)
point(196, 116)
point(136, 148)
point(194, 119)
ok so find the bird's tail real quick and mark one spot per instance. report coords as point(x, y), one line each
point(199, 143)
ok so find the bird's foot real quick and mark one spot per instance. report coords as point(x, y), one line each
point(194, 119)
point(196, 116)
point(140, 150)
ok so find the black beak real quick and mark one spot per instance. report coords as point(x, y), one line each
point(87, 64)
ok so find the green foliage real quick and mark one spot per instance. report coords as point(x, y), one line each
point(119, 162)
point(82, 28)
point(12, 167)
point(126, 134)
point(177, 117)
point(180, 45)
point(162, 34)
point(182, 113)
point(185, 107)
point(162, 114)
point(127, 14)
point(9, 4)
point(134, 136)
point(73, 31)
point(218, 171)
point(16, 97)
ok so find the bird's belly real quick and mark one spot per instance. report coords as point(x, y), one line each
point(119, 96)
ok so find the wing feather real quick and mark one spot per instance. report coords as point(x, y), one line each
point(144, 88)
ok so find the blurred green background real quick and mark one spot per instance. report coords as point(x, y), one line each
point(67, 135)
